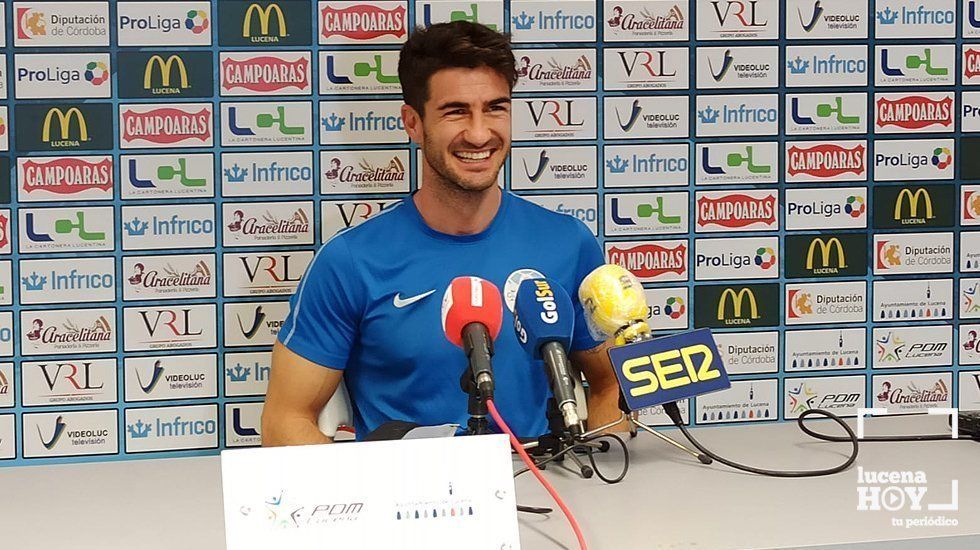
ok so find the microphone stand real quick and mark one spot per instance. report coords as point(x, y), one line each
point(561, 442)
point(476, 407)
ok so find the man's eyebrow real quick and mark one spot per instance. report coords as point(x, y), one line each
point(464, 105)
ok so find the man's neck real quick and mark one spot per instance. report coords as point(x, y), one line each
point(453, 211)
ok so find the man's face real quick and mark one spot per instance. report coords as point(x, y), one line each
point(465, 133)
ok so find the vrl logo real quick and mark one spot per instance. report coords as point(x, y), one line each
point(726, 64)
point(70, 372)
point(456, 15)
point(276, 267)
point(742, 13)
point(560, 111)
point(359, 210)
point(543, 160)
point(642, 211)
point(655, 63)
point(164, 172)
point(263, 121)
point(733, 160)
point(912, 62)
point(361, 70)
point(65, 226)
point(823, 110)
point(178, 325)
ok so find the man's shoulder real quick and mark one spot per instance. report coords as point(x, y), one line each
point(377, 224)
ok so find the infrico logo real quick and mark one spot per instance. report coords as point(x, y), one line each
point(362, 23)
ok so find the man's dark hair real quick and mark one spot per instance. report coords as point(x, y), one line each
point(449, 45)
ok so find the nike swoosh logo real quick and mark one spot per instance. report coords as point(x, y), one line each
point(405, 302)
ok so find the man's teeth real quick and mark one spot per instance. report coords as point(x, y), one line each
point(473, 156)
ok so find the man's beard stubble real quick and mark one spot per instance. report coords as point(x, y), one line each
point(451, 181)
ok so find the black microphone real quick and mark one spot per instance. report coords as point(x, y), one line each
point(472, 313)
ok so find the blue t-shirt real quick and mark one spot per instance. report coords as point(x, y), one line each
point(370, 304)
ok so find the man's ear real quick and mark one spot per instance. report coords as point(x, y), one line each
point(412, 121)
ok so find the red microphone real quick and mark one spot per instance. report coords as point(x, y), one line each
point(472, 313)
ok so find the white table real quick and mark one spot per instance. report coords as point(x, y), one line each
point(668, 500)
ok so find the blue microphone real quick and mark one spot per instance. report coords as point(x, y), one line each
point(544, 321)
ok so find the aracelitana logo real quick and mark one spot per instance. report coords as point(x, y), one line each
point(164, 24)
point(636, 117)
point(645, 69)
point(171, 377)
point(554, 118)
point(736, 306)
point(266, 123)
point(738, 20)
point(149, 277)
point(263, 223)
point(905, 393)
point(485, 12)
point(55, 24)
point(166, 227)
point(546, 70)
point(914, 206)
point(900, 253)
point(826, 19)
point(68, 382)
point(737, 115)
point(43, 76)
point(64, 178)
point(346, 122)
point(183, 74)
point(77, 433)
point(59, 331)
point(969, 348)
point(808, 66)
point(809, 303)
point(279, 174)
point(659, 165)
point(825, 349)
point(264, 23)
point(67, 281)
point(651, 260)
point(254, 323)
point(749, 352)
point(746, 400)
point(826, 161)
point(364, 171)
point(259, 274)
point(167, 176)
point(60, 229)
point(841, 395)
point(267, 73)
point(828, 208)
point(553, 167)
point(739, 258)
point(932, 65)
point(172, 428)
point(914, 112)
point(61, 127)
point(360, 72)
point(914, 300)
point(6, 382)
point(826, 255)
point(844, 113)
point(925, 346)
point(553, 22)
point(739, 210)
point(657, 20)
point(247, 374)
point(170, 125)
point(915, 19)
point(720, 163)
point(738, 67)
point(646, 213)
point(164, 327)
point(363, 22)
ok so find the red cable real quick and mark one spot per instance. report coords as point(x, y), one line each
point(537, 473)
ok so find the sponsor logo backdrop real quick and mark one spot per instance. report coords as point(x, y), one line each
point(800, 176)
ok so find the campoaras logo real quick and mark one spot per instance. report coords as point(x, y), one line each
point(265, 73)
point(915, 112)
point(362, 22)
point(166, 125)
point(826, 160)
point(66, 175)
point(737, 210)
point(651, 260)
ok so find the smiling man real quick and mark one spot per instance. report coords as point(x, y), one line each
point(368, 311)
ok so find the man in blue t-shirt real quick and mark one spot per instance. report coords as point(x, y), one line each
point(368, 310)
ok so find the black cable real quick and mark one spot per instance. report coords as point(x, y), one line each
point(626, 459)
point(675, 415)
point(534, 509)
point(879, 438)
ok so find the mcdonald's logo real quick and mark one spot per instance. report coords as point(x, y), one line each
point(264, 16)
point(913, 200)
point(166, 71)
point(64, 124)
point(826, 247)
point(737, 302)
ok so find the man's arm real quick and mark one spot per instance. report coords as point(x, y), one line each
point(603, 387)
point(298, 390)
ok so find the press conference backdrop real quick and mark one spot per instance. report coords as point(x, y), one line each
point(795, 175)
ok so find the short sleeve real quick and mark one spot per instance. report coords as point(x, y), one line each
point(326, 309)
point(590, 257)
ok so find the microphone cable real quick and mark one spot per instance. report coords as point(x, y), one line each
point(492, 408)
point(963, 436)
